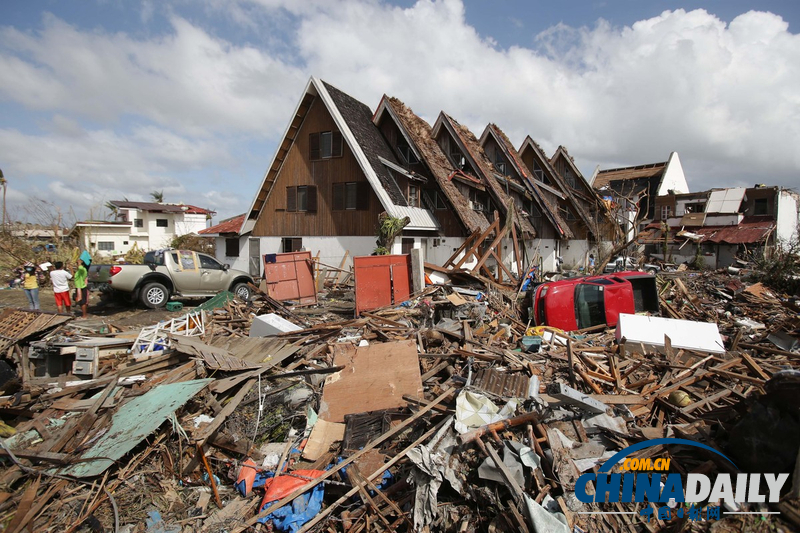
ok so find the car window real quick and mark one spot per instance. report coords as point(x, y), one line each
point(186, 261)
point(590, 309)
point(206, 261)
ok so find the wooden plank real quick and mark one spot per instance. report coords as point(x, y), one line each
point(311, 484)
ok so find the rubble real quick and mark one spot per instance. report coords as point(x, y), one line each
point(441, 412)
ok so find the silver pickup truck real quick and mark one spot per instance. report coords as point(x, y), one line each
point(167, 273)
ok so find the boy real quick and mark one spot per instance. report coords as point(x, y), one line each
point(60, 279)
point(81, 289)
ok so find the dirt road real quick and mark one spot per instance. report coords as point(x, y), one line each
point(120, 314)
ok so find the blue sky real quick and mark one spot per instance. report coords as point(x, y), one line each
point(107, 99)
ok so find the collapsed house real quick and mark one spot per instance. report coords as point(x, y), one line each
point(630, 193)
point(339, 167)
point(722, 225)
point(443, 412)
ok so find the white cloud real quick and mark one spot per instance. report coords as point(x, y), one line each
point(723, 95)
point(188, 80)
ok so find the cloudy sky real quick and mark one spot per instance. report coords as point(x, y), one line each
point(105, 99)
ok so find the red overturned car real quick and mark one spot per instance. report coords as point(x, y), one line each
point(590, 301)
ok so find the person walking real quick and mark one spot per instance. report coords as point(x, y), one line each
point(60, 279)
point(31, 285)
point(81, 290)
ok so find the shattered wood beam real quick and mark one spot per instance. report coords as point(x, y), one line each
point(379, 472)
point(466, 244)
point(311, 484)
point(473, 250)
point(226, 411)
point(495, 242)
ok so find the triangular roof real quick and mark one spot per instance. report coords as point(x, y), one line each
point(354, 121)
point(471, 149)
point(587, 193)
point(550, 211)
point(418, 135)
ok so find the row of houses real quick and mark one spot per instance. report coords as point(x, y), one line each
point(339, 166)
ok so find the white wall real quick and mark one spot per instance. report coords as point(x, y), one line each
point(576, 254)
point(241, 262)
point(673, 179)
point(119, 235)
point(788, 217)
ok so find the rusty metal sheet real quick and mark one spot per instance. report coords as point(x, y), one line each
point(290, 277)
point(502, 384)
point(381, 280)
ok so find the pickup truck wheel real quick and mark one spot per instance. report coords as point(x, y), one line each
point(242, 291)
point(154, 295)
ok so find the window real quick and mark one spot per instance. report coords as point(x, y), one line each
point(413, 196)
point(535, 211)
point(138, 222)
point(434, 199)
point(666, 212)
point(184, 260)
point(208, 262)
point(324, 145)
point(477, 201)
point(302, 198)
point(406, 245)
point(590, 309)
point(570, 178)
point(351, 195)
point(291, 244)
point(538, 173)
point(499, 162)
point(761, 206)
point(162, 223)
point(105, 245)
point(232, 247)
point(125, 243)
point(567, 213)
point(406, 152)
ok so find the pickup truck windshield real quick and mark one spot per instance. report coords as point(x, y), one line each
point(590, 309)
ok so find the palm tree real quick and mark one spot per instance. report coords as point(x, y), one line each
point(158, 196)
point(113, 208)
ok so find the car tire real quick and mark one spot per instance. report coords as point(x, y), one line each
point(652, 271)
point(242, 291)
point(154, 295)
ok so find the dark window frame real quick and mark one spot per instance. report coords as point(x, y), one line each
point(325, 145)
point(138, 222)
point(159, 222)
point(301, 199)
point(103, 246)
point(291, 244)
point(232, 247)
point(350, 196)
point(760, 206)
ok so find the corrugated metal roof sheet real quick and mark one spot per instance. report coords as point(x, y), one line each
point(231, 225)
point(604, 177)
point(421, 219)
point(747, 232)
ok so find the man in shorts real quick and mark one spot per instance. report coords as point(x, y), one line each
point(60, 279)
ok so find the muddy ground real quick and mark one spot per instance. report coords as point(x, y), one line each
point(111, 311)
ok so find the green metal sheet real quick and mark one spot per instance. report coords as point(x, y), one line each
point(132, 423)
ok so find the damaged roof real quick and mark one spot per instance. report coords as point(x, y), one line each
point(229, 226)
point(420, 135)
point(640, 172)
point(472, 150)
point(549, 210)
point(154, 207)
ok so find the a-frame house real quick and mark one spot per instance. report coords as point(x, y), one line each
point(329, 181)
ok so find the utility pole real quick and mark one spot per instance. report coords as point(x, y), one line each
point(3, 182)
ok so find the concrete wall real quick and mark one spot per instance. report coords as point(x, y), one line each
point(788, 218)
point(674, 179)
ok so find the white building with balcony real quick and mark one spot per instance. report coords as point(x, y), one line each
point(147, 225)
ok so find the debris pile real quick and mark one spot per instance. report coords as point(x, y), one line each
point(447, 411)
